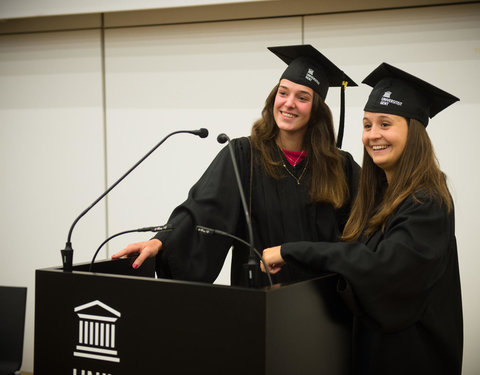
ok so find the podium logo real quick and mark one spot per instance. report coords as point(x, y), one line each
point(96, 331)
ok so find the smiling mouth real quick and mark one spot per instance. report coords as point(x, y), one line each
point(288, 115)
point(379, 148)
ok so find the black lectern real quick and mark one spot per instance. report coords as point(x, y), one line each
point(124, 321)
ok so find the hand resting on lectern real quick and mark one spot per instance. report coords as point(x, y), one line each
point(143, 250)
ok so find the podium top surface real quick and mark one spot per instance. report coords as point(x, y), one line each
point(122, 268)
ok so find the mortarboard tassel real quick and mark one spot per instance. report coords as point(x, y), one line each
point(341, 124)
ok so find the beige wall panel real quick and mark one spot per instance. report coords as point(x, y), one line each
point(254, 9)
point(139, 12)
point(52, 23)
point(51, 147)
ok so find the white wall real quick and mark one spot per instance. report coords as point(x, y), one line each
point(213, 75)
point(51, 152)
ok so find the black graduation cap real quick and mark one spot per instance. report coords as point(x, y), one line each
point(308, 67)
point(399, 93)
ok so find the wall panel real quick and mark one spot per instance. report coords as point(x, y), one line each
point(51, 147)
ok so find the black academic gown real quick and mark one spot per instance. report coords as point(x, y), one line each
point(403, 286)
point(281, 211)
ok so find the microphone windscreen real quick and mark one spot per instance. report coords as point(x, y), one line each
point(203, 133)
point(222, 138)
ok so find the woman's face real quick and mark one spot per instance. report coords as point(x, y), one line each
point(292, 107)
point(384, 137)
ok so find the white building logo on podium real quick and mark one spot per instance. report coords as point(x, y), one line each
point(96, 331)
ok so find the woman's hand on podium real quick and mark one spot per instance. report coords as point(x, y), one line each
point(273, 259)
point(143, 250)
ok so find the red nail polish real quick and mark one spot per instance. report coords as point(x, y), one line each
point(135, 266)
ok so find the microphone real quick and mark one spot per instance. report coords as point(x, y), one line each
point(161, 228)
point(67, 253)
point(251, 267)
point(202, 133)
point(222, 138)
point(209, 231)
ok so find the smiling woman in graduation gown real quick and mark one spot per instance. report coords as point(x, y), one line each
point(280, 202)
point(298, 184)
point(403, 286)
point(399, 264)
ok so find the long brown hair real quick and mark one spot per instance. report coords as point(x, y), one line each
point(417, 170)
point(325, 161)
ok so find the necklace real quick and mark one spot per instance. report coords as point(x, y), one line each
point(291, 174)
point(295, 163)
point(288, 171)
point(290, 159)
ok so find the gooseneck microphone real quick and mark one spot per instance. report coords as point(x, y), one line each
point(161, 228)
point(67, 253)
point(252, 266)
point(207, 231)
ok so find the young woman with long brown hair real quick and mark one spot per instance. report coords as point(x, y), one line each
point(398, 263)
point(298, 184)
